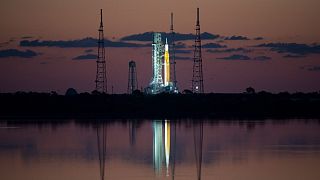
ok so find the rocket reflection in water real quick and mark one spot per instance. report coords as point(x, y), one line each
point(161, 149)
point(167, 143)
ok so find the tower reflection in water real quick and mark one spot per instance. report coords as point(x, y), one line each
point(162, 148)
point(102, 147)
point(198, 144)
point(164, 153)
point(157, 146)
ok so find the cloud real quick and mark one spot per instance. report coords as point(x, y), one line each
point(314, 68)
point(258, 38)
point(293, 48)
point(236, 57)
point(148, 36)
point(182, 58)
point(84, 57)
point(207, 35)
point(293, 56)
point(17, 53)
point(26, 37)
point(228, 50)
point(181, 51)
point(237, 38)
point(310, 68)
point(180, 45)
point(244, 57)
point(2, 44)
point(81, 43)
point(213, 45)
point(262, 58)
point(88, 50)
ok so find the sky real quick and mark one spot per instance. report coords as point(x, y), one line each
point(271, 45)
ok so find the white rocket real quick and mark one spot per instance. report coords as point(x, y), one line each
point(166, 64)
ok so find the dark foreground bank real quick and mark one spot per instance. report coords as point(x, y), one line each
point(256, 105)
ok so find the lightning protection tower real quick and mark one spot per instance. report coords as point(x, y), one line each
point(101, 77)
point(172, 50)
point(197, 78)
point(132, 77)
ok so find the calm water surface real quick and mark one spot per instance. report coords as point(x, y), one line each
point(161, 149)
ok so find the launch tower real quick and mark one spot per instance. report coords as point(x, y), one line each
point(197, 78)
point(101, 77)
point(132, 77)
point(156, 83)
point(173, 55)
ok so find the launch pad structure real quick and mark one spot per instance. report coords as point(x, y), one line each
point(160, 82)
point(132, 78)
point(162, 67)
point(161, 60)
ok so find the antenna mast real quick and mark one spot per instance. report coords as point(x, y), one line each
point(173, 54)
point(197, 78)
point(101, 77)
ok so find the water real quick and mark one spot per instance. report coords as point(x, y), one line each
point(161, 149)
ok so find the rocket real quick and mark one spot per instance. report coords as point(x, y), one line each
point(166, 64)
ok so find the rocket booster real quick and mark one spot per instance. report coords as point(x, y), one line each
point(166, 64)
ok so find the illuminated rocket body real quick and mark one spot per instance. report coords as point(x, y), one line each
point(166, 64)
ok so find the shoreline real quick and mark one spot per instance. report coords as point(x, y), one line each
point(162, 106)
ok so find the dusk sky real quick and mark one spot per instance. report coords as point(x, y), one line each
point(271, 45)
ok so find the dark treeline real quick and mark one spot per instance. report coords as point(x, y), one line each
point(214, 105)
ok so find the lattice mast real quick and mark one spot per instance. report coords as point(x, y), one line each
point(102, 148)
point(197, 78)
point(173, 55)
point(101, 77)
point(157, 55)
point(132, 77)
